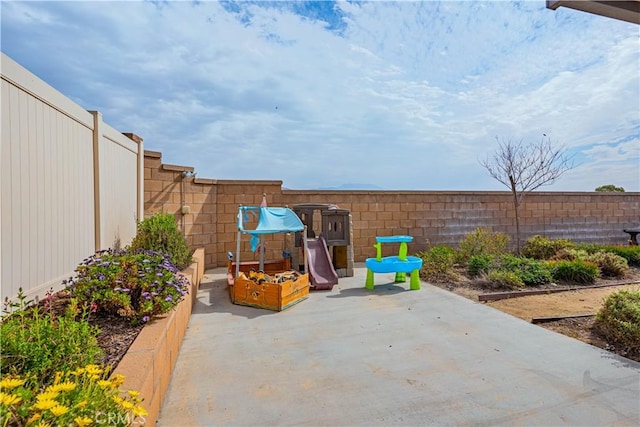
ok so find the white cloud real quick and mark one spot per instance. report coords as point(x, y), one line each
point(404, 95)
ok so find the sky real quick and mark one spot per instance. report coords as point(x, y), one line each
point(351, 95)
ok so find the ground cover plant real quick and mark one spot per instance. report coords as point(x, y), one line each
point(54, 371)
point(619, 321)
point(136, 285)
point(38, 341)
point(80, 397)
point(49, 370)
point(482, 256)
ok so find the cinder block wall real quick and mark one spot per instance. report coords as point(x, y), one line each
point(431, 217)
point(166, 190)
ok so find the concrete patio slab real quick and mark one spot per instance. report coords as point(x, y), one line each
point(352, 357)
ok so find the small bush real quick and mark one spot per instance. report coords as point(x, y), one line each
point(437, 264)
point(630, 253)
point(160, 233)
point(135, 285)
point(505, 279)
point(482, 241)
point(538, 247)
point(610, 264)
point(479, 265)
point(36, 342)
point(569, 254)
point(578, 271)
point(82, 397)
point(530, 271)
point(619, 320)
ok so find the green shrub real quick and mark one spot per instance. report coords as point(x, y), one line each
point(82, 397)
point(578, 271)
point(438, 263)
point(538, 247)
point(482, 241)
point(530, 271)
point(630, 253)
point(36, 342)
point(505, 279)
point(136, 285)
point(569, 254)
point(160, 233)
point(479, 265)
point(619, 320)
point(589, 248)
point(609, 188)
point(610, 264)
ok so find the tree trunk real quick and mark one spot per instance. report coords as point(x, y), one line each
point(516, 205)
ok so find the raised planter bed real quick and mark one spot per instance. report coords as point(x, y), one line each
point(149, 362)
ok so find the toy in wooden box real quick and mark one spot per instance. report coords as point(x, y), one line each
point(266, 284)
point(271, 290)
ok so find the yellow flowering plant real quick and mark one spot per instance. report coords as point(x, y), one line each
point(82, 397)
point(36, 341)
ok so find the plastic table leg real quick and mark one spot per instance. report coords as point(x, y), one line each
point(414, 283)
point(369, 282)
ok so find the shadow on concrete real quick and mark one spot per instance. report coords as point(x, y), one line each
point(385, 289)
point(213, 297)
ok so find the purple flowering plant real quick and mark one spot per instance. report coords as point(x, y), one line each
point(136, 284)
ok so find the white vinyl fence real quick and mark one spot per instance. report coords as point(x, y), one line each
point(69, 184)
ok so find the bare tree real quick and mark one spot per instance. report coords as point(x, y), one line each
point(523, 168)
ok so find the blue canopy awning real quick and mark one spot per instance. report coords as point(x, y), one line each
point(270, 221)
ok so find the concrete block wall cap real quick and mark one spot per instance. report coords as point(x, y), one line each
point(177, 168)
point(205, 181)
point(391, 192)
point(154, 154)
point(254, 182)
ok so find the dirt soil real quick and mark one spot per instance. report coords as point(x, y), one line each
point(567, 303)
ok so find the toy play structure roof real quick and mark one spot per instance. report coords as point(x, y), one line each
point(270, 221)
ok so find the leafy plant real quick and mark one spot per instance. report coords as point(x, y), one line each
point(630, 253)
point(609, 188)
point(482, 241)
point(569, 254)
point(438, 263)
point(136, 285)
point(530, 271)
point(80, 397)
point(578, 271)
point(538, 247)
point(160, 233)
point(479, 265)
point(619, 320)
point(610, 264)
point(37, 342)
point(505, 279)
